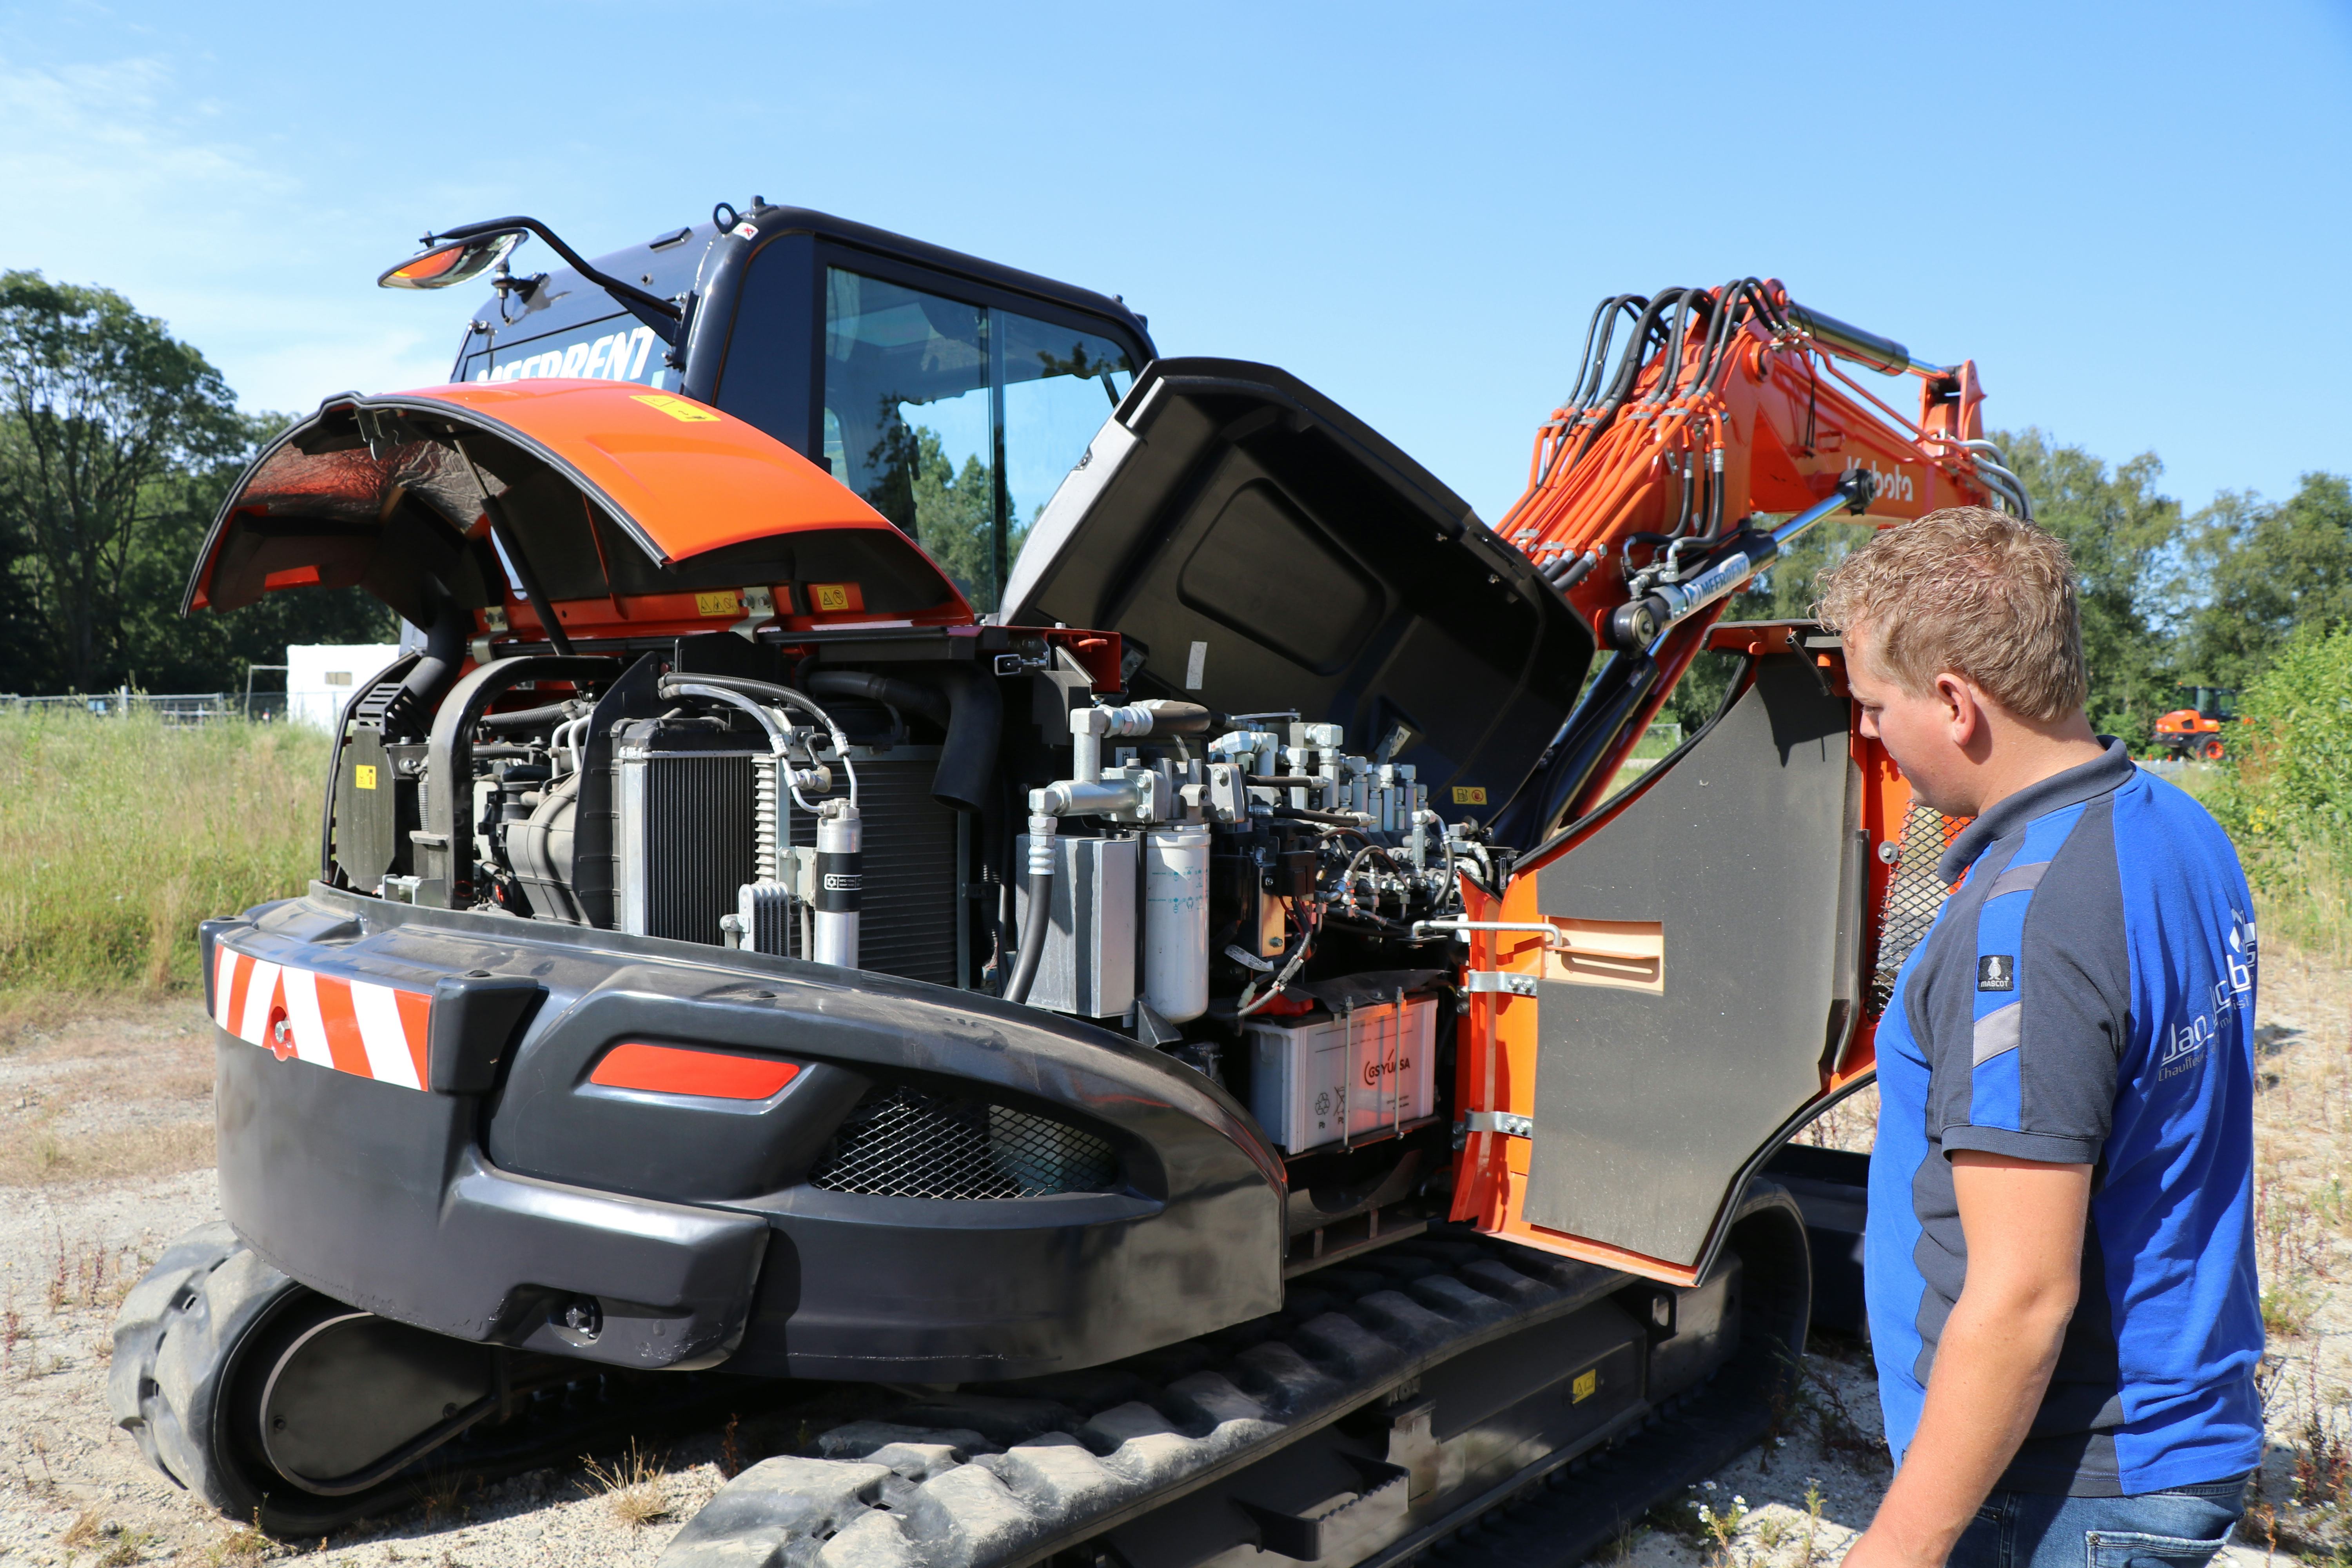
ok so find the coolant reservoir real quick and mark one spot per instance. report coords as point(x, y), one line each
point(1176, 922)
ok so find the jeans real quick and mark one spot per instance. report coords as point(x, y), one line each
point(2180, 1528)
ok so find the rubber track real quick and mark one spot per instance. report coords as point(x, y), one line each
point(1562, 1518)
point(1006, 1478)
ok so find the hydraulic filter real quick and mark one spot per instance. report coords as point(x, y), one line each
point(838, 882)
point(1176, 922)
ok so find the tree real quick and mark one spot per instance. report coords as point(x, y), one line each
point(102, 409)
point(2265, 571)
point(2123, 536)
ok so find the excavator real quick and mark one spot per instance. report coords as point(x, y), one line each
point(1051, 932)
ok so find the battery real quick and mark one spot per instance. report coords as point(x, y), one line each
point(1345, 1076)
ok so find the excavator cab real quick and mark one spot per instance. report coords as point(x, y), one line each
point(949, 392)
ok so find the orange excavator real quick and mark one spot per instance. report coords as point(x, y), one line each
point(1162, 1048)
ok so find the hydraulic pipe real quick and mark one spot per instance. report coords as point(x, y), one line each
point(1040, 908)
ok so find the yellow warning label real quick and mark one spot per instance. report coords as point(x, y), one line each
point(829, 595)
point(1582, 1389)
point(1469, 794)
point(676, 407)
point(364, 775)
point(724, 604)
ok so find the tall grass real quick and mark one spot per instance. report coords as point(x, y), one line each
point(117, 835)
point(2285, 794)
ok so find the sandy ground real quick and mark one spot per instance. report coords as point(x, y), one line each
point(105, 1151)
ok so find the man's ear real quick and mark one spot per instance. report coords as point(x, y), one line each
point(1963, 710)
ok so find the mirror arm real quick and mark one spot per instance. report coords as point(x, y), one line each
point(654, 311)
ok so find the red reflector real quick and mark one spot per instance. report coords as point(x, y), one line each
point(715, 1075)
point(292, 577)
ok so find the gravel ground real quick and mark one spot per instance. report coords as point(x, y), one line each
point(105, 1149)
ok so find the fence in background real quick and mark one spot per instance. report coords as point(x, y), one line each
point(172, 707)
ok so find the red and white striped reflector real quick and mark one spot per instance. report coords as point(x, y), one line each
point(352, 1026)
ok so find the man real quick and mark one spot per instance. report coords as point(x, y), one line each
point(2060, 1256)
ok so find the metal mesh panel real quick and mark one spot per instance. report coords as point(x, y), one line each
point(910, 904)
point(1913, 894)
point(909, 1144)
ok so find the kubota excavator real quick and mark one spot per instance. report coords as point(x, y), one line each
point(1045, 924)
point(2197, 731)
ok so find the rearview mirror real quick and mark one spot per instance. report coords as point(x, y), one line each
point(453, 261)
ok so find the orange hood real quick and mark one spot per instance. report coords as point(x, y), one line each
point(628, 507)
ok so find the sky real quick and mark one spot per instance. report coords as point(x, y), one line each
point(2136, 219)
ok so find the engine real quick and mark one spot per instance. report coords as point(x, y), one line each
point(1243, 892)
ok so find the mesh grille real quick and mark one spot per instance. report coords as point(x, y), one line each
point(909, 1144)
point(1913, 894)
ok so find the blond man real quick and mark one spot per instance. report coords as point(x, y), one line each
point(2060, 1260)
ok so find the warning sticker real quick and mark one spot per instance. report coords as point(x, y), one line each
point(1469, 794)
point(831, 596)
point(676, 407)
point(719, 604)
point(1582, 1388)
point(364, 775)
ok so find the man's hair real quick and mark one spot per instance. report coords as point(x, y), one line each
point(1971, 591)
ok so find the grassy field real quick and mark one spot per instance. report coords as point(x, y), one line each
point(117, 835)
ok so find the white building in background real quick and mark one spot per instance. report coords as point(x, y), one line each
point(320, 678)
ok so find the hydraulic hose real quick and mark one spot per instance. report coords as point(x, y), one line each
point(965, 703)
point(968, 756)
point(1040, 908)
point(906, 694)
point(435, 671)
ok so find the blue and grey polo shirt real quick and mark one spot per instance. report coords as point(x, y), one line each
point(2087, 997)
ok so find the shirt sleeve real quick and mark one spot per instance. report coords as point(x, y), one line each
point(2026, 1065)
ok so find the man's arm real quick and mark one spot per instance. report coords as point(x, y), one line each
point(2024, 1221)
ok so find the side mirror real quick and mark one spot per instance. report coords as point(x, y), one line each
point(453, 261)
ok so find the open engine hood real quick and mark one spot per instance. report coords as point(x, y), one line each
point(623, 503)
point(1262, 550)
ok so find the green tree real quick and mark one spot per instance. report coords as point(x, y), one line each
point(952, 514)
point(2264, 571)
point(2123, 535)
point(102, 412)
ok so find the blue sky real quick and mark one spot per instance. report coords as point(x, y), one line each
point(2135, 218)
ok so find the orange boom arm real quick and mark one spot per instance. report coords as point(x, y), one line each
point(1708, 428)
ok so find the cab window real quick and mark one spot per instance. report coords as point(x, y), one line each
point(957, 420)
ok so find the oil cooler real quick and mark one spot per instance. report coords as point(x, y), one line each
point(688, 835)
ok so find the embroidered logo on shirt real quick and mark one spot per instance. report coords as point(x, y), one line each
point(1997, 972)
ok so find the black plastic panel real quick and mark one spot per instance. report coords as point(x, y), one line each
point(1647, 1106)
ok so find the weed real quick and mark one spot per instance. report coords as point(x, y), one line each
point(1680, 1520)
point(1812, 1520)
point(635, 1488)
point(240, 1548)
point(83, 1531)
point(129, 1546)
point(2288, 1308)
point(1770, 1532)
point(1840, 1433)
point(1722, 1524)
point(733, 1461)
point(441, 1492)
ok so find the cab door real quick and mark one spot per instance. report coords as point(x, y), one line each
point(1696, 985)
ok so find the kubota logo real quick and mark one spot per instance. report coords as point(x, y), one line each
point(1892, 485)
